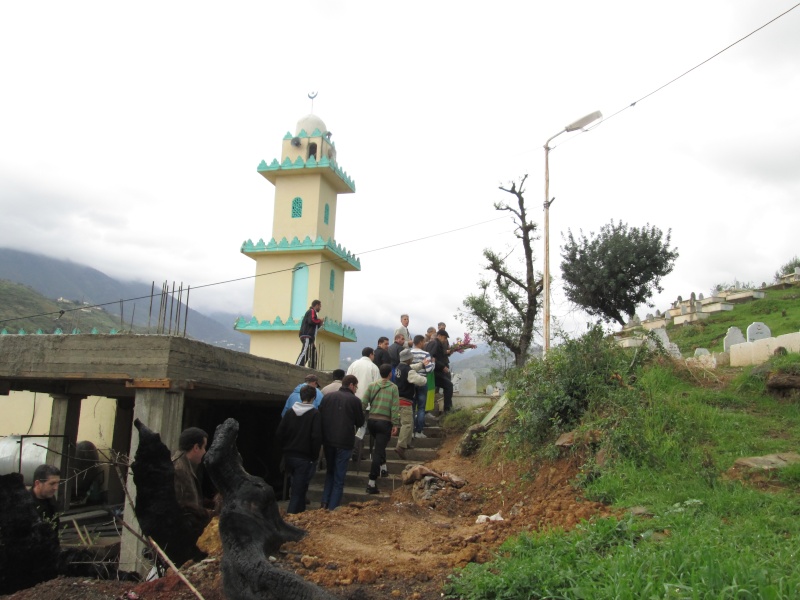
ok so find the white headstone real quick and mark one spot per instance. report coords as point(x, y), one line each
point(757, 331)
point(469, 385)
point(671, 347)
point(733, 337)
point(701, 352)
point(700, 297)
point(489, 389)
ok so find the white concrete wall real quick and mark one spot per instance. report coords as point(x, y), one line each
point(755, 353)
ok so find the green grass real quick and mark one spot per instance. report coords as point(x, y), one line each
point(671, 441)
point(42, 313)
point(779, 310)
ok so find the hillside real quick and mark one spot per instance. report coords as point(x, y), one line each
point(84, 286)
point(779, 310)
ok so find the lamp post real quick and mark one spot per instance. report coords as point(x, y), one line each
point(579, 124)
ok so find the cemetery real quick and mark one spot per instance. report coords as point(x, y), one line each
point(744, 344)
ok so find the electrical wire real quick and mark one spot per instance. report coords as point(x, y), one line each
point(671, 81)
point(61, 312)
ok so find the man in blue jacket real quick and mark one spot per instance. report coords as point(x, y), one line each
point(294, 397)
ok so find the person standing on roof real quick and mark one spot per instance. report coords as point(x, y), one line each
point(308, 333)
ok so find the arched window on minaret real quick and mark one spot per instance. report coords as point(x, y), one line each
point(297, 208)
point(299, 291)
point(327, 216)
point(312, 150)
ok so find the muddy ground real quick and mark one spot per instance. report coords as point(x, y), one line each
point(400, 548)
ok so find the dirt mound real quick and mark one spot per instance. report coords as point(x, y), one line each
point(401, 548)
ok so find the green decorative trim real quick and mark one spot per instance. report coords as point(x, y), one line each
point(307, 244)
point(299, 163)
point(288, 136)
point(58, 331)
point(331, 326)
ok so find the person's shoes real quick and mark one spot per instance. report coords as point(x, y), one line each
point(401, 452)
point(373, 489)
point(421, 436)
point(384, 472)
point(323, 506)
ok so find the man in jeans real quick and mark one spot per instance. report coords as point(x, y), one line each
point(422, 359)
point(384, 417)
point(299, 434)
point(341, 415)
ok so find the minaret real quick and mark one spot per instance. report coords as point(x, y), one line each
point(302, 261)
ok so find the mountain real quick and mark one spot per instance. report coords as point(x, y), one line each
point(81, 285)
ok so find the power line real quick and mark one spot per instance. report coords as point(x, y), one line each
point(682, 75)
point(207, 285)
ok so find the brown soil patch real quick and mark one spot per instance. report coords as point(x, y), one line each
point(399, 548)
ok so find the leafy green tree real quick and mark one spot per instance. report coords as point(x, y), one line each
point(504, 311)
point(610, 273)
point(787, 268)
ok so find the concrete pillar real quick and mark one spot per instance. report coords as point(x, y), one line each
point(120, 444)
point(64, 420)
point(162, 411)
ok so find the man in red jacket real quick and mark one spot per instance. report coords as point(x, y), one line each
point(308, 332)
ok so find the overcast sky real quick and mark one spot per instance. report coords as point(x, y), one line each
point(130, 136)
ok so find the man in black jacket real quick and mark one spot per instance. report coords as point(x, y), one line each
point(438, 351)
point(341, 414)
point(381, 356)
point(395, 349)
point(300, 436)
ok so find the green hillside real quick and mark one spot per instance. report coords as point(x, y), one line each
point(23, 308)
point(779, 310)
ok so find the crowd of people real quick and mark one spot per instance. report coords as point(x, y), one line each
point(387, 392)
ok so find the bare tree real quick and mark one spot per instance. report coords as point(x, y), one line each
point(504, 312)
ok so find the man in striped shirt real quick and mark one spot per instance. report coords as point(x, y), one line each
point(423, 363)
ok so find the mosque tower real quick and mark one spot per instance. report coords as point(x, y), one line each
point(302, 261)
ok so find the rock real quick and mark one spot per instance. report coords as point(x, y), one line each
point(310, 562)
point(251, 528)
point(367, 576)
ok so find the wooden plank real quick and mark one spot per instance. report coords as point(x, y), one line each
point(146, 383)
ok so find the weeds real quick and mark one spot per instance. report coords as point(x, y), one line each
point(668, 443)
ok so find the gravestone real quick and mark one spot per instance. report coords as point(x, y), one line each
point(671, 347)
point(733, 337)
point(757, 331)
point(701, 352)
point(700, 297)
point(468, 384)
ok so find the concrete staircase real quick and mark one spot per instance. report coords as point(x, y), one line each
point(355, 485)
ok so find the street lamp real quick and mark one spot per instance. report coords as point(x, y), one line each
point(579, 124)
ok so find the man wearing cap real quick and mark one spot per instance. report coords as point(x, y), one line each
point(294, 397)
point(437, 349)
point(407, 381)
point(423, 365)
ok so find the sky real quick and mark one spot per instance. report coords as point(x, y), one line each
point(130, 137)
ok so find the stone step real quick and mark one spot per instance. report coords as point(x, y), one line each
point(357, 476)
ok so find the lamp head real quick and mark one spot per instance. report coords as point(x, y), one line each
point(583, 122)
